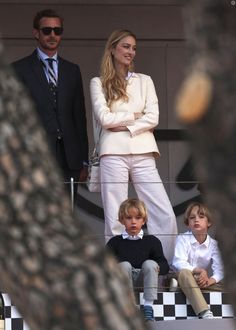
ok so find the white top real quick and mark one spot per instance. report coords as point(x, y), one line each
point(189, 254)
point(139, 138)
point(125, 235)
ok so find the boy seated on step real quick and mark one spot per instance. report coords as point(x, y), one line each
point(140, 256)
point(197, 260)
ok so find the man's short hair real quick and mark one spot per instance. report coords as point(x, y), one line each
point(45, 13)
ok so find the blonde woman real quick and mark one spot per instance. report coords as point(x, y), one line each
point(126, 106)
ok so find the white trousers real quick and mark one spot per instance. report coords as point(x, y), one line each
point(141, 170)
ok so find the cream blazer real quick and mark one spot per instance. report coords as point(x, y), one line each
point(139, 138)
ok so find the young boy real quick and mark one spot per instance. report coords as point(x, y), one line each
point(140, 256)
point(196, 253)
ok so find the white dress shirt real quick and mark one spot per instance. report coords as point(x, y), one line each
point(190, 254)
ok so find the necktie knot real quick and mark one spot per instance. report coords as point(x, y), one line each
point(50, 62)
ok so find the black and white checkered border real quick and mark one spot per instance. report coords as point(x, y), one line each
point(174, 306)
point(168, 306)
point(13, 320)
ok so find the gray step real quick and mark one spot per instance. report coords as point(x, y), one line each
point(214, 324)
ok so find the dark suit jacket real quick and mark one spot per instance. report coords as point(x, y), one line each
point(71, 108)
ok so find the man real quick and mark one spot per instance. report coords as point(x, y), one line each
point(56, 88)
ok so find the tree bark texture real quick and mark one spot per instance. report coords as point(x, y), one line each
point(206, 103)
point(57, 275)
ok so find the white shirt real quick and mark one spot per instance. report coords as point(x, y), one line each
point(125, 235)
point(189, 254)
point(43, 57)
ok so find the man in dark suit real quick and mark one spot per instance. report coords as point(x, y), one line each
point(56, 88)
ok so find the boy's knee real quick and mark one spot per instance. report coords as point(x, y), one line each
point(184, 274)
point(126, 266)
point(150, 265)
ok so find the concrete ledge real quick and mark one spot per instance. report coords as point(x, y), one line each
point(216, 324)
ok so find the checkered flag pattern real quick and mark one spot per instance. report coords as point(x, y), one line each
point(168, 306)
point(174, 306)
point(13, 320)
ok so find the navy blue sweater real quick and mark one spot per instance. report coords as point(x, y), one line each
point(138, 251)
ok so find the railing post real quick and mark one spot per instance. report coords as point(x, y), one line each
point(72, 193)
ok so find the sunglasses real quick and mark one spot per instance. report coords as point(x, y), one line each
point(48, 30)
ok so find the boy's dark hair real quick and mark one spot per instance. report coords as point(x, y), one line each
point(202, 209)
point(45, 13)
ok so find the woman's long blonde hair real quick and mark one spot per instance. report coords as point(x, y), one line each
point(113, 84)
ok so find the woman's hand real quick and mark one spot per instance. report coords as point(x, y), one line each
point(138, 115)
point(118, 129)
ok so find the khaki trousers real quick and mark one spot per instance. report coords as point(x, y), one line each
point(192, 291)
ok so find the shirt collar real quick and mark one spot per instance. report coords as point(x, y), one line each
point(125, 235)
point(194, 240)
point(44, 56)
point(130, 75)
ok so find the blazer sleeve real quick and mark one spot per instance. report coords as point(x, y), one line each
point(101, 110)
point(150, 118)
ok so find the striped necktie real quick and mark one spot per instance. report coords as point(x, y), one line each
point(51, 73)
point(52, 80)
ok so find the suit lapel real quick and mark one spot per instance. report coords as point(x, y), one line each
point(62, 82)
point(37, 69)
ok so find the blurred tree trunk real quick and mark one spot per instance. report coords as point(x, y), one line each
point(207, 104)
point(58, 277)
